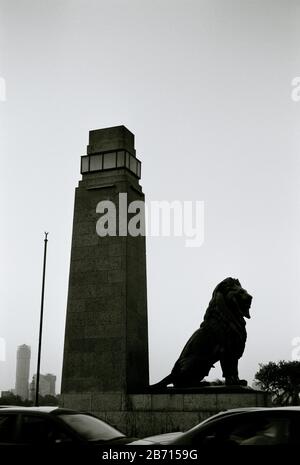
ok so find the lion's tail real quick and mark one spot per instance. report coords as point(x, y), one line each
point(162, 384)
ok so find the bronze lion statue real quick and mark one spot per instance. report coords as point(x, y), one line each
point(221, 337)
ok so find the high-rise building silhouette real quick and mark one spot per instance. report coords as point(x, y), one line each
point(22, 371)
point(46, 386)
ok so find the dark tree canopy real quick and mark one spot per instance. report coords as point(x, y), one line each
point(281, 380)
point(12, 399)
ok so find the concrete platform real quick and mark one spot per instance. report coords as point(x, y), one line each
point(154, 413)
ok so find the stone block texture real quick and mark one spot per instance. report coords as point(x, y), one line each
point(143, 415)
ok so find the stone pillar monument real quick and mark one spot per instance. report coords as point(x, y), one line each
point(106, 335)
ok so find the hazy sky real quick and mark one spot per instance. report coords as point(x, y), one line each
point(205, 86)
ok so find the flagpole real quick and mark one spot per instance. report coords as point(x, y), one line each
point(41, 324)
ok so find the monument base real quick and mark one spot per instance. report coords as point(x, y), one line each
point(142, 415)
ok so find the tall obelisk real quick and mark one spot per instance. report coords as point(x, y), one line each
point(106, 335)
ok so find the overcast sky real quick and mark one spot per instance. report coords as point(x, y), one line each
point(205, 86)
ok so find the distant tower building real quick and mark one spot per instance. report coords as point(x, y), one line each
point(51, 380)
point(22, 371)
point(46, 386)
point(106, 336)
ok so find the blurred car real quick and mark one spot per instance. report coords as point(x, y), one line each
point(278, 426)
point(55, 427)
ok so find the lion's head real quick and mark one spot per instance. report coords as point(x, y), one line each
point(234, 295)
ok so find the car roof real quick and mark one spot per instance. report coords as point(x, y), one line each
point(289, 408)
point(236, 411)
point(45, 409)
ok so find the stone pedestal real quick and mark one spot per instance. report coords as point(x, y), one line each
point(143, 415)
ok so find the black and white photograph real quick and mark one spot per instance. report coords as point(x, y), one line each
point(150, 233)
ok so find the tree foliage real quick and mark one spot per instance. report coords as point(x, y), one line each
point(281, 380)
point(12, 399)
